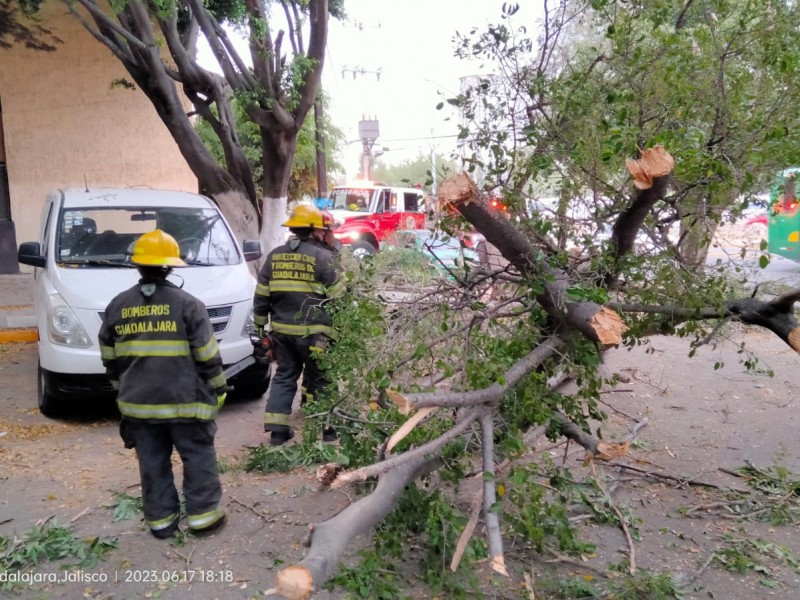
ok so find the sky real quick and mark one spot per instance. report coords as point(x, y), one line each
point(393, 61)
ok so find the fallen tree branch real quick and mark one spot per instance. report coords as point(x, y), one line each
point(373, 470)
point(776, 315)
point(522, 368)
point(469, 528)
point(593, 320)
point(490, 517)
point(330, 538)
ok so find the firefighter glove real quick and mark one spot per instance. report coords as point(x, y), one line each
point(221, 399)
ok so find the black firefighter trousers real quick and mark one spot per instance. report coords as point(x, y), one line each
point(294, 355)
point(194, 442)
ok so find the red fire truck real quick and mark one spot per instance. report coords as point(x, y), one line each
point(367, 213)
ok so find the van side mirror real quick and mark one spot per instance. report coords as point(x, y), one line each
point(251, 250)
point(30, 253)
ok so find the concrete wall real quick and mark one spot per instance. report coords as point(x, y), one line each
point(65, 125)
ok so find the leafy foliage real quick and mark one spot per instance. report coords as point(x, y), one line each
point(644, 585)
point(418, 171)
point(126, 507)
point(50, 542)
point(282, 459)
point(741, 555)
point(17, 27)
point(713, 82)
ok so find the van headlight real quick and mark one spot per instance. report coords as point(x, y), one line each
point(63, 326)
point(249, 323)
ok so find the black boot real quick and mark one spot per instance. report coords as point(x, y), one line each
point(279, 438)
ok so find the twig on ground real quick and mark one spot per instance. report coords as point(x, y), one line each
point(628, 538)
point(615, 409)
point(579, 565)
point(466, 535)
point(729, 472)
point(80, 514)
point(699, 572)
point(253, 510)
point(187, 560)
point(622, 523)
point(678, 480)
point(713, 505)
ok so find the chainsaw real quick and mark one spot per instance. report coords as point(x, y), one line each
point(263, 354)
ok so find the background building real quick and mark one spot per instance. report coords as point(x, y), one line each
point(66, 122)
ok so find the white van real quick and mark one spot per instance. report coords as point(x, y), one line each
point(81, 262)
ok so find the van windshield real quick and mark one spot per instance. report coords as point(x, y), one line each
point(105, 236)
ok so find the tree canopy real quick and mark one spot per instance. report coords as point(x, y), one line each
point(646, 118)
point(422, 170)
point(277, 86)
point(303, 181)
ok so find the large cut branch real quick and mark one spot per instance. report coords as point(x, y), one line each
point(488, 395)
point(593, 320)
point(776, 315)
point(330, 538)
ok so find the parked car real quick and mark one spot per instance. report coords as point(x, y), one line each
point(446, 254)
point(81, 261)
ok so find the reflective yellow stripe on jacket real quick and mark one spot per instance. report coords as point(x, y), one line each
point(207, 351)
point(301, 330)
point(192, 410)
point(152, 348)
point(290, 285)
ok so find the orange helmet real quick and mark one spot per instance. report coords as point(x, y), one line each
point(308, 216)
point(157, 249)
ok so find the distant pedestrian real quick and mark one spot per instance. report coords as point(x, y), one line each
point(159, 350)
point(293, 286)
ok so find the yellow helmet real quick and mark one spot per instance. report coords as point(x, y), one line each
point(308, 216)
point(157, 249)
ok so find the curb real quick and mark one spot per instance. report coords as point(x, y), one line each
point(15, 336)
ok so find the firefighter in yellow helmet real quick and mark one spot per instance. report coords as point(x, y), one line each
point(293, 285)
point(160, 353)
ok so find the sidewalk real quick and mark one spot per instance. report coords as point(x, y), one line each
point(17, 313)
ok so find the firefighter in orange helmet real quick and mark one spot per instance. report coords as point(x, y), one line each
point(159, 350)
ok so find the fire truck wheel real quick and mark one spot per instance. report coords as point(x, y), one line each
point(363, 249)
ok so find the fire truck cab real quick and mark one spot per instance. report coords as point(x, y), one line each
point(367, 213)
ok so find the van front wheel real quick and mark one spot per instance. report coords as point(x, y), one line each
point(48, 405)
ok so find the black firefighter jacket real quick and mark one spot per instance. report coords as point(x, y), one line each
point(161, 353)
point(293, 285)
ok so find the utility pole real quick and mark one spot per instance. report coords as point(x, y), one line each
point(368, 131)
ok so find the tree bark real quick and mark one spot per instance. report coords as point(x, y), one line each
point(330, 538)
point(589, 318)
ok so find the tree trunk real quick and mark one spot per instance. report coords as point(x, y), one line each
point(696, 235)
point(279, 149)
point(240, 214)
